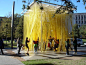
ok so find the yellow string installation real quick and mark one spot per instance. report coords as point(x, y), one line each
point(42, 24)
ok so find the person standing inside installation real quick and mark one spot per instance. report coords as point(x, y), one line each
point(50, 42)
point(26, 44)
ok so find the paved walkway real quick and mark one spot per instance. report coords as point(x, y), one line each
point(12, 58)
point(46, 55)
point(8, 59)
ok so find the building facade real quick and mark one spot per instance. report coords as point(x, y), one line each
point(79, 19)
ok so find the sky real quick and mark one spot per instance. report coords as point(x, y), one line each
point(6, 7)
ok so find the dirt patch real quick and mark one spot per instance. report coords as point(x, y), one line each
point(13, 55)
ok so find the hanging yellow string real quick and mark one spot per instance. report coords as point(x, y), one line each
point(57, 27)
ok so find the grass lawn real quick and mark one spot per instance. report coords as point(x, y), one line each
point(35, 62)
point(84, 40)
point(56, 62)
point(9, 44)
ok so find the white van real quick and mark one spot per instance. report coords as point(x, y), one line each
point(79, 41)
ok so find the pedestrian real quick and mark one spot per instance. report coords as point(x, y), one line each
point(50, 41)
point(19, 45)
point(26, 44)
point(56, 45)
point(75, 45)
point(1, 46)
point(67, 45)
point(35, 46)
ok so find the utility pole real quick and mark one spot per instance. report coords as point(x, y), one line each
point(12, 24)
point(6, 33)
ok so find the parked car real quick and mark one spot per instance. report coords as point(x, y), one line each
point(79, 41)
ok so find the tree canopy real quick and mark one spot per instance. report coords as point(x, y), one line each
point(79, 32)
point(5, 27)
point(75, 31)
point(83, 31)
point(67, 3)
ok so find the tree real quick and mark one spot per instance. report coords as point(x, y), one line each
point(5, 27)
point(19, 28)
point(67, 3)
point(16, 23)
point(83, 31)
point(75, 31)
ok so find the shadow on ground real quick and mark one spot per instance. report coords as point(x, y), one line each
point(13, 54)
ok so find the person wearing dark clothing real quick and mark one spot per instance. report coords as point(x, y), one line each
point(19, 45)
point(1, 45)
point(75, 45)
point(67, 45)
point(50, 41)
point(56, 44)
point(26, 44)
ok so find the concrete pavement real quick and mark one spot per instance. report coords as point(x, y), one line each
point(7, 59)
point(12, 58)
point(47, 55)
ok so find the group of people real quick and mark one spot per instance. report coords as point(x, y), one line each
point(36, 44)
point(67, 45)
point(19, 44)
point(56, 43)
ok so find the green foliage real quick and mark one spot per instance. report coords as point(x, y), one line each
point(84, 41)
point(37, 62)
point(5, 27)
point(75, 31)
point(79, 32)
point(67, 3)
point(65, 61)
point(8, 45)
point(83, 31)
point(19, 28)
point(28, 7)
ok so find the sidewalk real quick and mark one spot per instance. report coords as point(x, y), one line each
point(12, 58)
point(8, 59)
point(46, 55)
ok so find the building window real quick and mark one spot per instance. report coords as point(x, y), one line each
point(81, 17)
point(79, 22)
point(85, 17)
point(76, 17)
point(76, 22)
point(82, 22)
point(85, 22)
